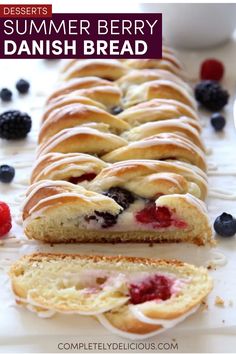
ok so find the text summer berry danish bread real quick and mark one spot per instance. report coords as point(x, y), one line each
point(133, 297)
point(120, 157)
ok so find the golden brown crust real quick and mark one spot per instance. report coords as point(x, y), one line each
point(164, 89)
point(164, 64)
point(159, 147)
point(181, 126)
point(125, 173)
point(110, 96)
point(109, 69)
point(113, 237)
point(82, 139)
point(43, 193)
point(137, 77)
point(158, 109)
point(76, 85)
point(57, 166)
point(77, 114)
point(67, 99)
point(97, 258)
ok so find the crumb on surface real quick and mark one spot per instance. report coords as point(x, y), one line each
point(150, 244)
point(214, 242)
point(231, 303)
point(219, 301)
point(204, 305)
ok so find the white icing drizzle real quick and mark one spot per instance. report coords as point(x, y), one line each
point(10, 240)
point(18, 185)
point(41, 314)
point(209, 151)
point(8, 249)
point(5, 263)
point(41, 184)
point(78, 163)
point(103, 320)
point(68, 133)
point(19, 164)
point(217, 259)
point(217, 193)
point(31, 304)
point(222, 173)
point(136, 311)
point(52, 197)
point(212, 166)
point(134, 95)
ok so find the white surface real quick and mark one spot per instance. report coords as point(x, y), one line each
point(204, 25)
point(211, 330)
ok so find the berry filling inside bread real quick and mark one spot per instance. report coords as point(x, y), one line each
point(82, 178)
point(137, 212)
point(158, 217)
point(155, 287)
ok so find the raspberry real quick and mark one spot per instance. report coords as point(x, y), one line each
point(157, 287)
point(161, 216)
point(212, 69)
point(5, 219)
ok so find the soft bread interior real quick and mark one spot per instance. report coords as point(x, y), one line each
point(74, 283)
point(77, 215)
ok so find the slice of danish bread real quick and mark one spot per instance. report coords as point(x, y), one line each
point(134, 295)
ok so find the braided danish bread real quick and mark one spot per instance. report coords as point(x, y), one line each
point(119, 159)
point(120, 156)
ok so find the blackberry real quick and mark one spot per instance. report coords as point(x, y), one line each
point(14, 125)
point(117, 110)
point(106, 219)
point(218, 121)
point(7, 173)
point(6, 95)
point(22, 86)
point(211, 95)
point(225, 225)
point(121, 196)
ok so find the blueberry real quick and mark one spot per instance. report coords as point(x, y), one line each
point(22, 86)
point(121, 196)
point(218, 121)
point(7, 173)
point(6, 95)
point(225, 225)
point(116, 110)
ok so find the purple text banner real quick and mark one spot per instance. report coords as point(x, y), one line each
point(82, 36)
